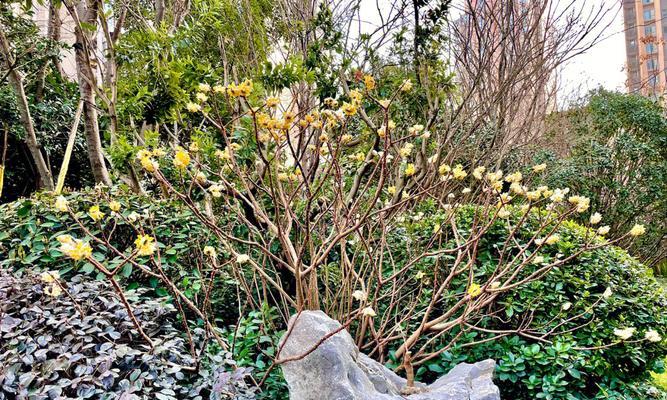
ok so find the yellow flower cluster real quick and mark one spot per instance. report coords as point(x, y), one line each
point(74, 248)
point(95, 213)
point(145, 245)
point(272, 102)
point(61, 204)
point(582, 203)
point(243, 89)
point(637, 230)
point(474, 290)
point(181, 158)
point(369, 82)
point(52, 278)
point(147, 162)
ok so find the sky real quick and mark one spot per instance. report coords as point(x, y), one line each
point(603, 65)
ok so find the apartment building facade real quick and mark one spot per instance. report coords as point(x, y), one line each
point(646, 51)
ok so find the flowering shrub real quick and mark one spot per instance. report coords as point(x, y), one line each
point(595, 321)
point(82, 345)
point(338, 207)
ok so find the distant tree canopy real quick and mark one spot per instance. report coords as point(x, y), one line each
point(617, 156)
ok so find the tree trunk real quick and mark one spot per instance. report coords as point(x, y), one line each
point(86, 10)
point(16, 81)
point(159, 12)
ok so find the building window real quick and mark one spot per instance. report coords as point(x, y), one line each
point(647, 1)
point(653, 81)
point(633, 44)
point(649, 30)
point(652, 64)
point(649, 15)
point(650, 48)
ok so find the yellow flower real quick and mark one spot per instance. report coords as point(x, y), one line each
point(478, 172)
point(406, 150)
point(358, 157)
point(553, 239)
point(74, 248)
point(415, 129)
point(149, 164)
point(538, 260)
point(474, 290)
point(200, 177)
point(382, 132)
point(369, 82)
point(652, 336)
point(517, 188)
point(201, 97)
point(533, 195)
point(114, 206)
point(539, 167)
point(559, 195)
point(242, 258)
point(50, 276)
point(193, 107)
point(444, 169)
point(204, 87)
point(503, 213)
point(209, 251)
point(61, 204)
point(349, 109)
point(458, 172)
point(145, 245)
point(410, 170)
point(216, 190)
point(346, 138)
point(95, 213)
point(494, 176)
point(515, 177)
point(581, 202)
point(637, 230)
point(245, 88)
point(143, 153)
point(54, 290)
point(384, 103)
point(391, 190)
point(368, 312)
point(596, 218)
point(181, 158)
point(359, 295)
point(272, 102)
point(625, 333)
point(406, 86)
point(603, 230)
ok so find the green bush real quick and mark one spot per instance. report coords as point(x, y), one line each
point(29, 228)
point(585, 359)
point(618, 158)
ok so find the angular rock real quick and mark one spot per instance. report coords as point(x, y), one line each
point(336, 370)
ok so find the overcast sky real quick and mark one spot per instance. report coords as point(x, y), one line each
point(604, 64)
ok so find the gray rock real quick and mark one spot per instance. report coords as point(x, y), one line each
point(336, 370)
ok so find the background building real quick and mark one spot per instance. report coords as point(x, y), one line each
point(645, 28)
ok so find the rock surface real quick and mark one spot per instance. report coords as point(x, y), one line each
point(336, 370)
